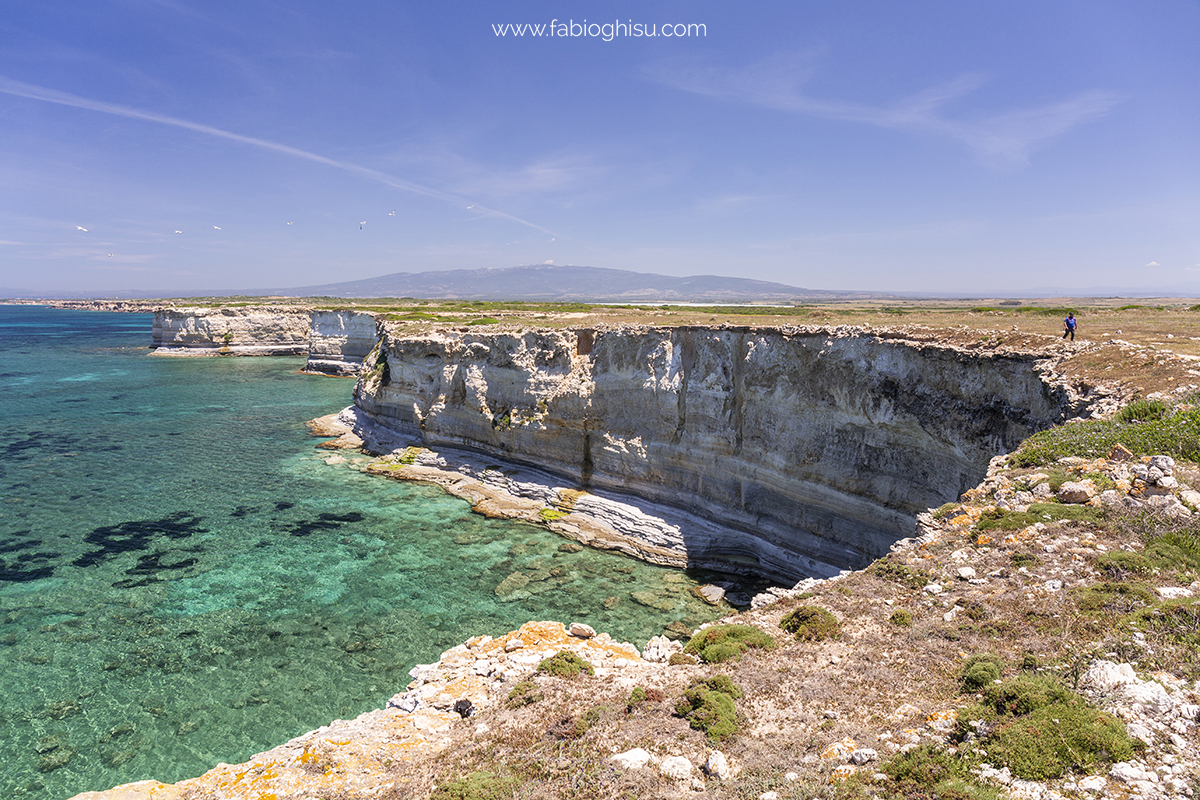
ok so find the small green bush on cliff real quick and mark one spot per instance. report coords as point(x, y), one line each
point(1039, 729)
point(979, 671)
point(720, 643)
point(811, 623)
point(565, 665)
point(481, 785)
point(708, 706)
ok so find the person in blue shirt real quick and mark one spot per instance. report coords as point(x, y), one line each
point(1069, 326)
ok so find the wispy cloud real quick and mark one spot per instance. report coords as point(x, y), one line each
point(1152, 264)
point(1004, 139)
point(19, 89)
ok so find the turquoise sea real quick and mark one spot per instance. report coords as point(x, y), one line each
point(185, 581)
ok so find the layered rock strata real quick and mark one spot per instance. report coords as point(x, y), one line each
point(334, 341)
point(339, 341)
point(806, 450)
point(258, 331)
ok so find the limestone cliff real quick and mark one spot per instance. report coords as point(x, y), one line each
point(334, 341)
point(810, 447)
point(339, 340)
point(252, 331)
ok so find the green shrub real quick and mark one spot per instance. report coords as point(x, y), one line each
point(901, 617)
point(708, 706)
point(999, 519)
point(479, 785)
point(720, 643)
point(893, 570)
point(565, 665)
point(1040, 729)
point(1025, 694)
point(1118, 564)
point(980, 670)
point(1142, 411)
point(1174, 434)
point(930, 773)
point(681, 660)
point(1059, 738)
point(523, 694)
point(811, 623)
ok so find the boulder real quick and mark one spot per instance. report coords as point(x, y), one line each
point(710, 594)
point(717, 766)
point(1120, 453)
point(676, 767)
point(632, 759)
point(581, 631)
point(1077, 491)
point(660, 649)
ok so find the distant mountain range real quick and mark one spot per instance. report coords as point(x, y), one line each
point(548, 282)
point(554, 283)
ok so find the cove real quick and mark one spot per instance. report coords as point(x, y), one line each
point(184, 580)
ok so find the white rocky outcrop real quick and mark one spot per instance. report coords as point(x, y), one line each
point(336, 342)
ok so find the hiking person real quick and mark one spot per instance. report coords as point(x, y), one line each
point(1069, 326)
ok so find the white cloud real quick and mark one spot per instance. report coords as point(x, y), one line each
point(1006, 139)
point(1152, 264)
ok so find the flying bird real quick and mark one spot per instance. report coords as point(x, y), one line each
point(179, 231)
point(80, 229)
point(392, 213)
point(215, 228)
point(360, 225)
point(470, 207)
point(110, 255)
point(289, 223)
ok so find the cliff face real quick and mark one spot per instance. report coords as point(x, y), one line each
point(261, 331)
point(335, 341)
point(339, 340)
point(805, 445)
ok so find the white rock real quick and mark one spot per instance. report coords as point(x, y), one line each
point(1092, 783)
point(1105, 675)
point(862, 756)
point(632, 759)
point(1126, 772)
point(966, 573)
point(717, 765)
point(660, 649)
point(1077, 491)
point(950, 615)
point(769, 796)
point(1042, 491)
point(513, 644)
point(934, 588)
point(676, 767)
point(1140, 731)
point(711, 594)
point(1167, 482)
point(581, 630)
point(791, 777)
point(1150, 695)
point(1164, 463)
point(1173, 592)
point(1031, 790)
point(1052, 585)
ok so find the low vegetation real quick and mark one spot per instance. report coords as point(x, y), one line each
point(566, 665)
point(811, 624)
point(721, 643)
point(708, 706)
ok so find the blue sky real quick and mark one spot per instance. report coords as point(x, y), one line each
point(918, 146)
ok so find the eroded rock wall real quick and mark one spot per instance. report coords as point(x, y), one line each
point(339, 340)
point(806, 445)
point(249, 331)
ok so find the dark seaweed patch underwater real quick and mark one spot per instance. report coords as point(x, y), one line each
point(184, 580)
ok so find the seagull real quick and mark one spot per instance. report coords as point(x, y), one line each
point(392, 213)
point(289, 223)
point(179, 231)
point(110, 255)
point(215, 228)
point(80, 229)
point(470, 207)
point(360, 225)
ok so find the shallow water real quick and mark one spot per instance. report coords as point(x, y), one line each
point(184, 580)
